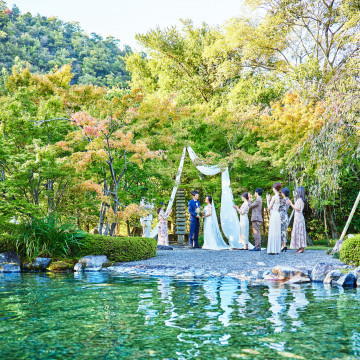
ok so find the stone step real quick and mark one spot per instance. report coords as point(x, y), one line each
point(180, 233)
point(180, 228)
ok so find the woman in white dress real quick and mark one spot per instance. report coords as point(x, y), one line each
point(213, 239)
point(274, 239)
point(244, 221)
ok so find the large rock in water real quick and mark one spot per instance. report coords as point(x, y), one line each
point(91, 263)
point(320, 271)
point(289, 274)
point(10, 262)
point(347, 280)
point(39, 264)
point(332, 277)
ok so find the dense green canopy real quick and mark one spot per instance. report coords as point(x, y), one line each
point(275, 97)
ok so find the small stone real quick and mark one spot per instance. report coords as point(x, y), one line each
point(332, 277)
point(347, 280)
point(320, 271)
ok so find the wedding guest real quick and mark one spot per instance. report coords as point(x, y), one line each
point(284, 208)
point(298, 234)
point(244, 220)
point(256, 217)
point(163, 238)
point(274, 238)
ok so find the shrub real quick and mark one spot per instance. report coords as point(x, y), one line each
point(350, 251)
point(47, 236)
point(120, 249)
point(7, 243)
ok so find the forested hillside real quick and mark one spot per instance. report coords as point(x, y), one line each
point(46, 42)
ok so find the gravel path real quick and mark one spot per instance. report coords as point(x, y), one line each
point(232, 261)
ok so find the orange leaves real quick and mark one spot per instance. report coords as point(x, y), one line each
point(131, 211)
point(89, 185)
point(63, 145)
point(292, 121)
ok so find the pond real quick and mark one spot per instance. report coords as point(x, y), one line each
point(98, 316)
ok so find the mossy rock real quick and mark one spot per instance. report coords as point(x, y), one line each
point(350, 251)
point(61, 266)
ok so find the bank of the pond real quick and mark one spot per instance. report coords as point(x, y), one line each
point(256, 267)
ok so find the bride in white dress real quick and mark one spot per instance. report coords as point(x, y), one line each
point(213, 239)
point(274, 239)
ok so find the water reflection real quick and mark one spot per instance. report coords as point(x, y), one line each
point(132, 317)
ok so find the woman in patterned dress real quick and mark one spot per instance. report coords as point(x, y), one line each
point(244, 221)
point(163, 238)
point(298, 234)
point(283, 210)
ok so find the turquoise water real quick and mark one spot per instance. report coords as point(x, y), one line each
point(97, 316)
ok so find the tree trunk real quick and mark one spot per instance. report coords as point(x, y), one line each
point(102, 218)
point(331, 222)
point(113, 229)
point(128, 227)
point(107, 229)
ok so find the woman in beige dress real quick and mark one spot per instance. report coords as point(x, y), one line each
point(298, 234)
point(163, 238)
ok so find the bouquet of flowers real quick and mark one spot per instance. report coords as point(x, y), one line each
point(200, 211)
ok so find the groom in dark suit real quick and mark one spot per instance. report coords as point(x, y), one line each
point(194, 220)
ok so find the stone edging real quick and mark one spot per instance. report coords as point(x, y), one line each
point(344, 276)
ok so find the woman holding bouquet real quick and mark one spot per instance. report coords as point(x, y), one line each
point(298, 234)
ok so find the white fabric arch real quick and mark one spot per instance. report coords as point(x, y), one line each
point(229, 218)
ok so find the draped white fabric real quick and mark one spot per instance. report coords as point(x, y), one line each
point(204, 169)
point(155, 231)
point(229, 218)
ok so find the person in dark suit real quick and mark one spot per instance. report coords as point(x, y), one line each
point(194, 220)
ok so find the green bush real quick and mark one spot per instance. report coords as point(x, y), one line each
point(119, 249)
point(7, 243)
point(47, 236)
point(350, 251)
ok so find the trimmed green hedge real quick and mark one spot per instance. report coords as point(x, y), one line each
point(119, 249)
point(350, 251)
point(7, 243)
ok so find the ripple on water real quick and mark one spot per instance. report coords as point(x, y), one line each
point(98, 316)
